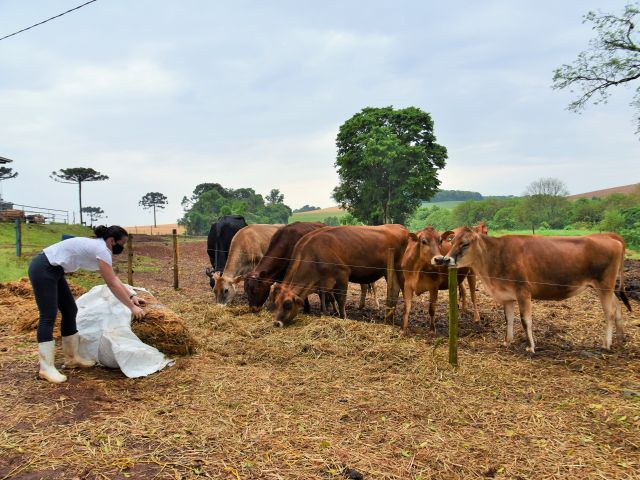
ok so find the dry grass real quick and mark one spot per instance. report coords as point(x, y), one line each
point(325, 395)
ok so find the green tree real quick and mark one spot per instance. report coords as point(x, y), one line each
point(612, 59)
point(331, 221)
point(613, 221)
point(6, 173)
point(153, 200)
point(388, 162)
point(95, 213)
point(78, 176)
point(274, 197)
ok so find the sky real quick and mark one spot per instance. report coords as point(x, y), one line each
point(162, 96)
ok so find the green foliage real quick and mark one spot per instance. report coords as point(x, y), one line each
point(587, 210)
point(274, 197)
point(455, 195)
point(210, 201)
point(331, 221)
point(94, 213)
point(387, 163)
point(305, 208)
point(611, 60)
point(541, 208)
point(349, 219)
point(612, 221)
point(439, 218)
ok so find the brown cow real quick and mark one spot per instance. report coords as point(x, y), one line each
point(275, 261)
point(246, 249)
point(421, 276)
point(519, 268)
point(329, 258)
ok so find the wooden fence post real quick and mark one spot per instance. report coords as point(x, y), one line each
point(130, 260)
point(453, 316)
point(175, 259)
point(18, 238)
point(391, 273)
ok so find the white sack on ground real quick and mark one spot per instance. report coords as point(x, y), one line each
point(104, 325)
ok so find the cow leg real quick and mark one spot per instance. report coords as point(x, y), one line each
point(509, 308)
point(607, 298)
point(433, 298)
point(372, 286)
point(619, 322)
point(526, 319)
point(307, 306)
point(462, 294)
point(340, 296)
point(407, 293)
point(471, 280)
point(363, 295)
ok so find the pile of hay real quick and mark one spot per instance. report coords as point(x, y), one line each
point(163, 329)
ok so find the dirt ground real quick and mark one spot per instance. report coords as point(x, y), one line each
point(327, 398)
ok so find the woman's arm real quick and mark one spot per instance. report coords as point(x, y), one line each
point(118, 289)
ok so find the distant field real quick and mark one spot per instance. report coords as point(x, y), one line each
point(546, 233)
point(163, 229)
point(446, 205)
point(317, 215)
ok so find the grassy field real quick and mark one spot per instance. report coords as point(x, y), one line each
point(34, 239)
point(317, 215)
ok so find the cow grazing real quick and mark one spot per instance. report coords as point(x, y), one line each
point(247, 248)
point(421, 276)
point(329, 258)
point(219, 240)
point(521, 268)
point(273, 265)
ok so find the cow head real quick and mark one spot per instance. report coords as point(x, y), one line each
point(423, 246)
point(225, 287)
point(257, 287)
point(463, 249)
point(287, 304)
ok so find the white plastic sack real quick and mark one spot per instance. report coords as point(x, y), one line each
point(104, 325)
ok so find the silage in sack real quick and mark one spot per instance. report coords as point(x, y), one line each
point(104, 325)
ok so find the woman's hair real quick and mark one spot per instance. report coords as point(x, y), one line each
point(114, 231)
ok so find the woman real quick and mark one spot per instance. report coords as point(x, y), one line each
point(52, 292)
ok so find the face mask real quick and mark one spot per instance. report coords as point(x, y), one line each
point(117, 249)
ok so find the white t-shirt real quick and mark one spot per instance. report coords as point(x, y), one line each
point(78, 252)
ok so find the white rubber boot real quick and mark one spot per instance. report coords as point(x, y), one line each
point(47, 351)
point(72, 358)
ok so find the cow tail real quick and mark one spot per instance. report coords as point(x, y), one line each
point(620, 292)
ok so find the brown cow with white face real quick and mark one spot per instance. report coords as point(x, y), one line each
point(521, 268)
point(421, 276)
point(247, 248)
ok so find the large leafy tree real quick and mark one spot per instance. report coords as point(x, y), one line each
point(94, 213)
point(545, 202)
point(388, 162)
point(612, 59)
point(78, 176)
point(153, 200)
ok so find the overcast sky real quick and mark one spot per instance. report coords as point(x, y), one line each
point(162, 96)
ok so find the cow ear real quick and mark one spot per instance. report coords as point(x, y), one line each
point(448, 236)
point(237, 280)
point(208, 272)
point(413, 237)
point(298, 300)
point(216, 275)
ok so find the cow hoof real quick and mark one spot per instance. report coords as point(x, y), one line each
point(531, 350)
point(278, 323)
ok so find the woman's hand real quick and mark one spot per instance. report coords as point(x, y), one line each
point(137, 312)
point(138, 301)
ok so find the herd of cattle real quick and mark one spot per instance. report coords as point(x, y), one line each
point(286, 263)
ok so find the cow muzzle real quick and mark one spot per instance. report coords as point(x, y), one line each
point(441, 260)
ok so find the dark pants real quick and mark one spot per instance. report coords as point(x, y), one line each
point(52, 294)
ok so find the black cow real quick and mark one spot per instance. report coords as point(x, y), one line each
point(219, 241)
